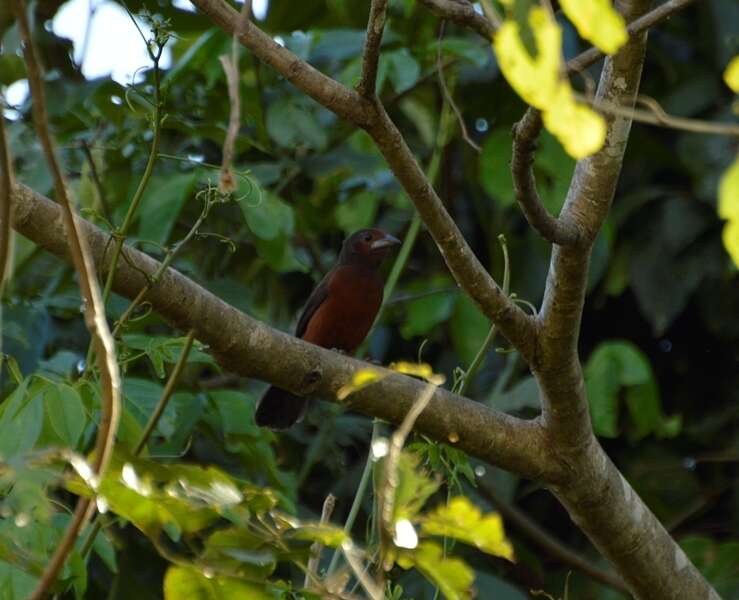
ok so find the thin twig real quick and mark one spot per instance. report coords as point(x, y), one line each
point(656, 115)
point(151, 423)
point(122, 231)
point(315, 550)
point(96, 180)
point(532, 530)
point(390, 483)
point(373, 590)
point(94, 308)
point(482, 352)
point(226, 182)
point(7, 181)
point(525, 134)
point(170, 255)
point(448, 94)
point(371, 55)
point(462, 13)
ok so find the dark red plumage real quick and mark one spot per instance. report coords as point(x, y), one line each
point(338, 314)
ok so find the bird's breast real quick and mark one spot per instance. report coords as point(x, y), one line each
point(346, 315)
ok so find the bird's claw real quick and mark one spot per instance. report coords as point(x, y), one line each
point(339, 350)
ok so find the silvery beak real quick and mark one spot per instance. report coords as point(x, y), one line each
point(385, 242)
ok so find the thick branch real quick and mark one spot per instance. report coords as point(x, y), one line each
point(371, 56)
point(588, 200)
point(252, 349)
point(462, 13)
point(554, 230)
point(338, 98)
point(514, 324)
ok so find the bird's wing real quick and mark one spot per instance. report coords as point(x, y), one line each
point(317, 297)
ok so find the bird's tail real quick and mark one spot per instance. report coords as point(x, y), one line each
point(279, 409)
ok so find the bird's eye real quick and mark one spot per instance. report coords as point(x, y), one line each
point(367, 237)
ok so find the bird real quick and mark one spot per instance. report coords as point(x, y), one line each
point(338, 315)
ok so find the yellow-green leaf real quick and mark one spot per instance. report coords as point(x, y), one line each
point(463, 521)
point(534, 78)
point(731, 75)
point(326, 535)
point(731, 240)
point(361, 378)
point(728, 193)
point(598, 22)
point(537, 80)
point(188, 583)
point(422, 370)
point(578, 128)
point(451, 575)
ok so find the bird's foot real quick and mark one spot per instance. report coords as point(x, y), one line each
point(339, 350)
point(374, 361)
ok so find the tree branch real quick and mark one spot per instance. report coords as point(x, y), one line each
point(345, 102)
point(75, 242)
point(7, 181)
point(371, 56)
point(554, 230)
point(462, 13)
point(252, 349)
point(513, 322)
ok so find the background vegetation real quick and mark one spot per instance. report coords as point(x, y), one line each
point(660, 335)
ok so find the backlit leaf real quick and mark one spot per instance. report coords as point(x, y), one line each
point(463, 521)
point(189, 583)
point(598, 22)
point(538, 81)
point(731, 74)
point(360, 379)
point(451, 575)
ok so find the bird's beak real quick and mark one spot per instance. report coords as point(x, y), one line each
point(384, 242)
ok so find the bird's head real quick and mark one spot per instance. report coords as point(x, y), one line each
point(367, 247)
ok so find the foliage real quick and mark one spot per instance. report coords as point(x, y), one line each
point(215, 507)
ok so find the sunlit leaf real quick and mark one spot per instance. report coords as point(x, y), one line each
point(728, 192)
point(534, 78)
point(730, 237)
point(538, 81)
point(422, 370)
point(598, 22)
point(189, 583)
point(463, 521)
point(413, 489)
point(731, 74)
point(360, 379)
point(326, 535)
point(578, 128)
point(451, 575)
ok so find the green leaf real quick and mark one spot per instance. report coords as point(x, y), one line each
point(463, 521)
point(162, 204)
point(428, 311)
point(292, 123)
point(403, 69)
point(451, 575)
point(280, 255)
point(241, 550)
point(495, 170)
point(357, 212)
point(617, 364)
point(66, 413)
point(12, 68)
point(189, 583)
point(469, 328)
point(267, 216)
point(21, 419)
